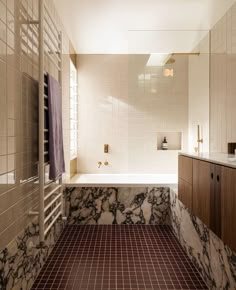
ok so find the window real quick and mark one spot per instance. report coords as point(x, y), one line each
point(73, 112)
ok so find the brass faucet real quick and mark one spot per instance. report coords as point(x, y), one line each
point(198, 138)
point(99, 164)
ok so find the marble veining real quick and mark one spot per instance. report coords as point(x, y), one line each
point(113, 205)
point(143, 205)
point(20, 266)
point(214, 260)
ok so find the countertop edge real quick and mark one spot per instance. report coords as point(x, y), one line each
point(212, 159)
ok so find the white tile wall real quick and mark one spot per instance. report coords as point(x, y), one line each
point(118, 109)
point(18, 121)
point(199, 82)
point(222, 82)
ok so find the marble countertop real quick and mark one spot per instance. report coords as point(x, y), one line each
point(225, 159)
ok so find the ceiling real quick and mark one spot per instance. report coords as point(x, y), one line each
point(138, 26)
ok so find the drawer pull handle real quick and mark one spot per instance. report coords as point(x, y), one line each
point(218, 178)
point(212, 176)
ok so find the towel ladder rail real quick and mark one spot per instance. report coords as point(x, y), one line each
point(51, 193)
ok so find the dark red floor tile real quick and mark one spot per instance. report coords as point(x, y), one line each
point(136, 257)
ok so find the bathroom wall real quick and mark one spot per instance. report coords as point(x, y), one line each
point(18, 118)
point(199, 74)
point(124, 103)
point(18, 131)
point(222, 82)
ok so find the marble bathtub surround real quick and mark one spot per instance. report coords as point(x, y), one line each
point(111, 205)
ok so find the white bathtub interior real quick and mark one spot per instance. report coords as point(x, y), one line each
point(117, 180)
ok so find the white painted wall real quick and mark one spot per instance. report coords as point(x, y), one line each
point(117, 108)
point(199, 96)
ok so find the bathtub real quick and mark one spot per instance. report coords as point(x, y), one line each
point(122, 180)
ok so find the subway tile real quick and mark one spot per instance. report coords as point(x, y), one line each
point(11, 127)
point(3, 145)
point(11, 162)
point(11, 39)
point(11, 145)
point(3, 12)
point(3, 164)
point(7, 200)
point(3, 50)
point(11, 5)
point(3, 183)
point(11, 22)
point(3, 32)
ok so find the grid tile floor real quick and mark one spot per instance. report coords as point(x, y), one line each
point(112, 257)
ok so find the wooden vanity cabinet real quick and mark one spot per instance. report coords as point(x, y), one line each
point(228, 206)
point(202, 190)
point(210, 191)
point(185, 181)
point(207, 194)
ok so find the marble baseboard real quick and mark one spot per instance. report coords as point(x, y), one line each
point(19, 267)
point(215, 261)
point(118, 205)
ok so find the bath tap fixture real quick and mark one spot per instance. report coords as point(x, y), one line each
point(106, 148)
point(199, 140)
point(99, 164)
point(106, 163)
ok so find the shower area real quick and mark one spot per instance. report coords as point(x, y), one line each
point(101, 211)
point(127, 105)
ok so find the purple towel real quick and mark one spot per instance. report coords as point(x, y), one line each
point(56, 151)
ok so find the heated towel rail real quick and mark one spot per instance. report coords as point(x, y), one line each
point(46, 41)
point(50, 51)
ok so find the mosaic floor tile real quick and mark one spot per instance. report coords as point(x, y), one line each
point(114, 257)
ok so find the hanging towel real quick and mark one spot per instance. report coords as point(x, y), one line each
point(56, 151)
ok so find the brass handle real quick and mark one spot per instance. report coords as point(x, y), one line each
point(106, 148)
point(106, 163)
point(99, 164)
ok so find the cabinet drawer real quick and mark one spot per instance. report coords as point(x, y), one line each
point(228, 206)
point(215, 200)
point(202, 190)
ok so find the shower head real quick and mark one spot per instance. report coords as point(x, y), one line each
point(171, 59)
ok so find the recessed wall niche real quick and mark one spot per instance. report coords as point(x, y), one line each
point(174, 140)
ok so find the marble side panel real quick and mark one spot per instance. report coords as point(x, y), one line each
point(215, 261)
point(19, 266)
point(113, 205)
